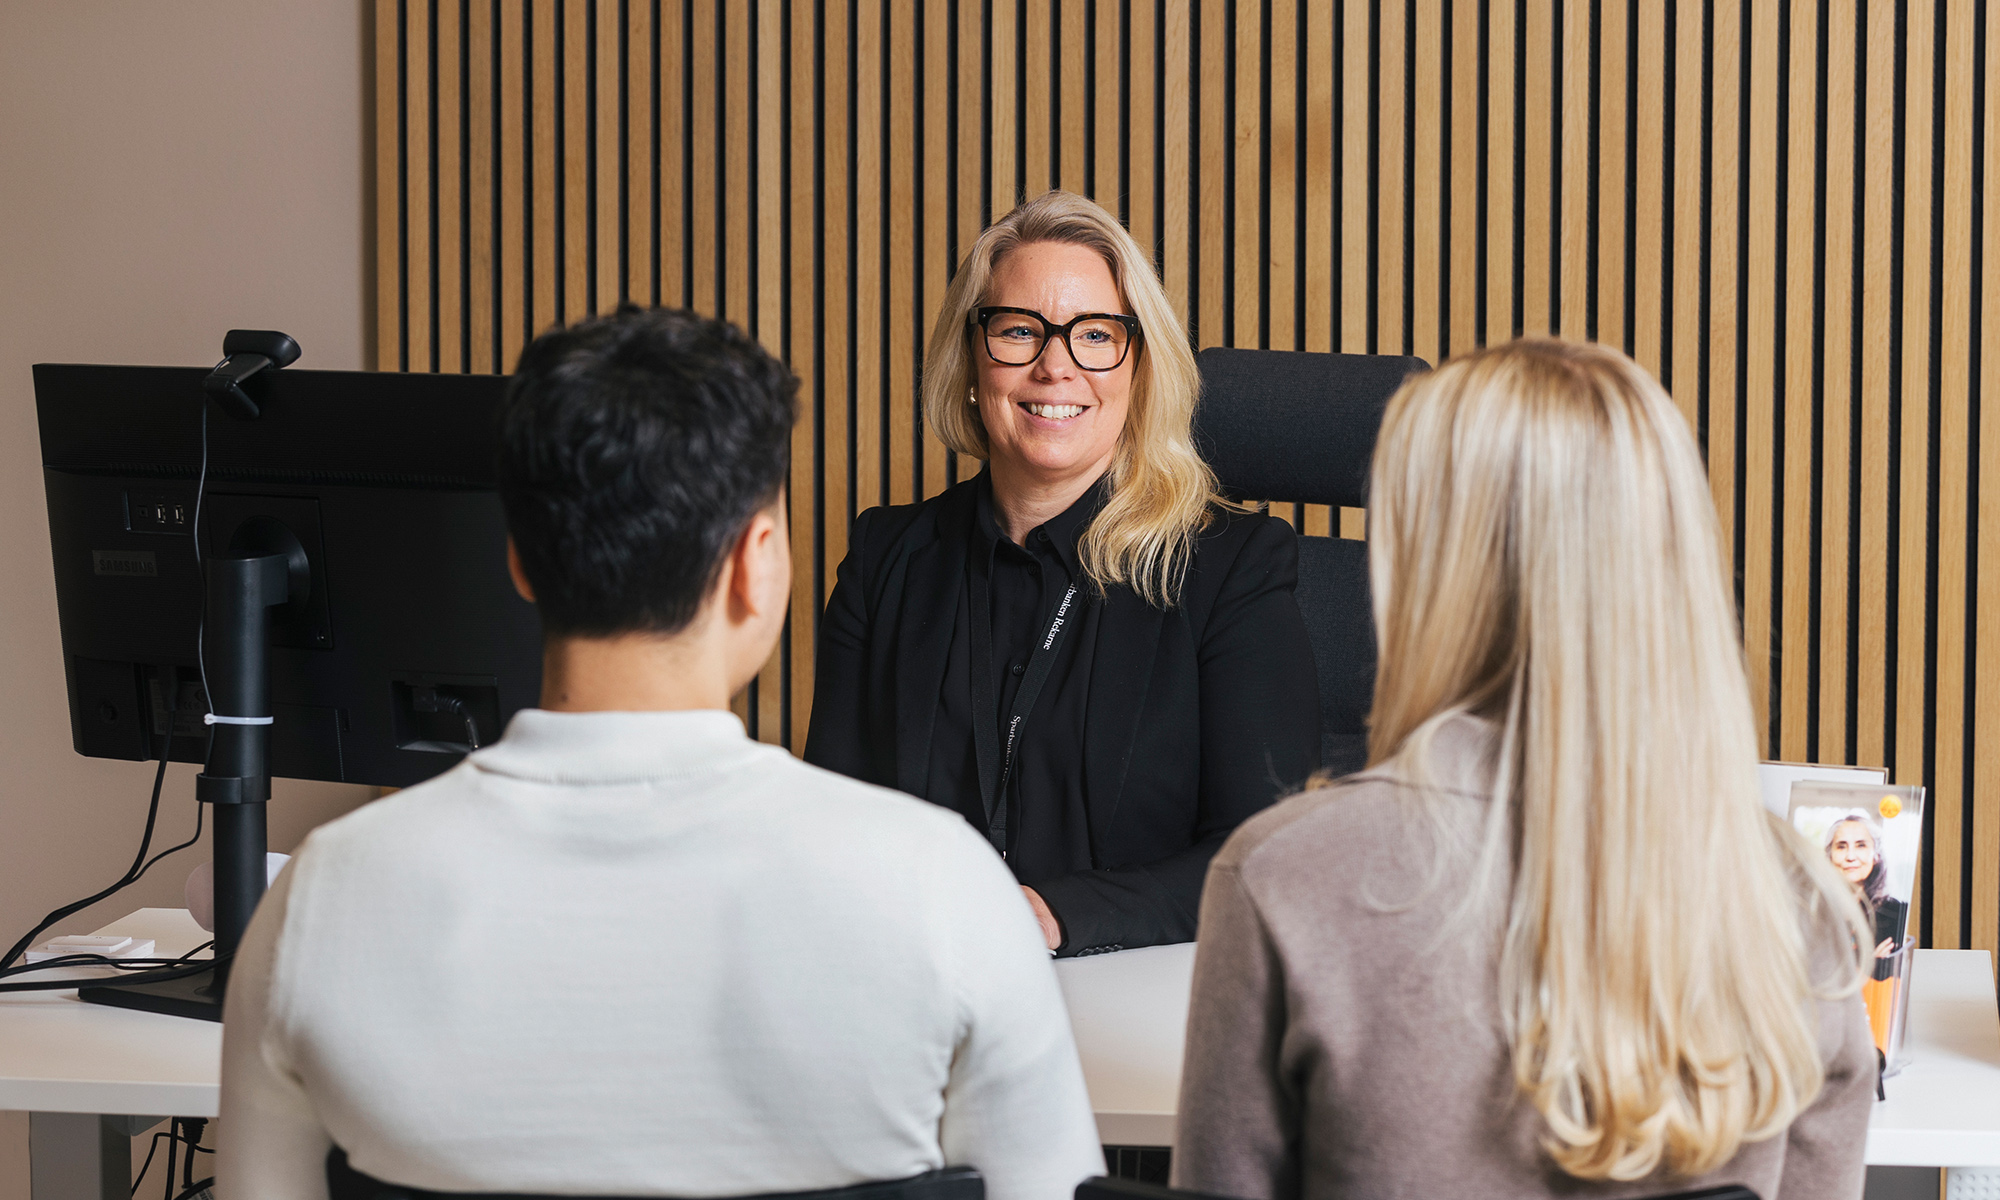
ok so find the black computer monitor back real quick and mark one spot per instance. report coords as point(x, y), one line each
point(387, 481)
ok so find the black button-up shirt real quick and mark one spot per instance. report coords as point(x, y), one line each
point(1048, 827)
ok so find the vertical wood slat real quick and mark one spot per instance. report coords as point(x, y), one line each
point(1391, 99)
point(1102, 113)
point(1794, 581)
point(514, 285)
point(1352, 230)
point(543, 231)
point(1176, 164)
point(449, 185)
point(1984, 834)
point(1613, 182)
point(836, 505)
point(900, 321)
point(868, 327)
point(1725, 168)
point(1324, 210)
point(1872, 575)
point(1281, 255)
point(674, 143)
point(1690, 165)
point(704, 141)
point(1003, 96)
point(1742, 196)
point(419, 94)
point(1070, 145)
point(1039, 73)
point(389, 235)
point(1649, 186)
point(1142, 67)
point(607, 82)
point(1759, 370)
point(1837, 397)
point(769, 320)
point(1953, 517)
point(1913, 620)
point(1501, 143)
point(481, 222)
point(937, 264)
point(1540, 207)
point(1247, 181)
point(1572, 267)
point(574, 121)
point(804, 490)
point(1214, 134)
point(1427, 184)
point(1461, 162)
point(642, 144)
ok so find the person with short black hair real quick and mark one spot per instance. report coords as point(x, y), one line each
point(626, 950)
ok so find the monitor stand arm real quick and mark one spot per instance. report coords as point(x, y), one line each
point(243, 586)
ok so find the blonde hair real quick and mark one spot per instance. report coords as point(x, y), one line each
point(1161, 489)
point(1544, 553)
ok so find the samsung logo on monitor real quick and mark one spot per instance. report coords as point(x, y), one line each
point(125, 562)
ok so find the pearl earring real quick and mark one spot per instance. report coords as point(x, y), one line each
point(971, 397)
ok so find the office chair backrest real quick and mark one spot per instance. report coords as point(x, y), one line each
point(1102, 1188)
point(948, 1183)
point(1300, 427)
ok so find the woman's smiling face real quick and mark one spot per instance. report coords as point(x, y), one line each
point(1852, 851)
point(1051, 421)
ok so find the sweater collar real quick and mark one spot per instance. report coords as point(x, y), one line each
point(615, 747)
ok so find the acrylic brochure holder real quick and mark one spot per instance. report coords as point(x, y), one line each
point(1872, 835)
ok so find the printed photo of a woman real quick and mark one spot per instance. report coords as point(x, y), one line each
point(1854, 846)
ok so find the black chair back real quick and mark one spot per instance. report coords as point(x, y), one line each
point(1102, 1188)
point(343, 1182)
point(1295, 426)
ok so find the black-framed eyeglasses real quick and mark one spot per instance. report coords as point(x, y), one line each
point(1016, 337)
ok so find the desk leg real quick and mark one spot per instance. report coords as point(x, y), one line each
point(82, 1156)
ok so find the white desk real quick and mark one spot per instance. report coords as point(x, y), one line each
point(66, 1062)
point(1130, 1011)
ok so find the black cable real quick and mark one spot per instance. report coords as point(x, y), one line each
point(200, 811)
point(157, 976)
point(201, 574)
point(132, 873)
point(192, 1129)
point(150, 1151)
point(86, 959)
point(173, 1149)
point(196, 1188)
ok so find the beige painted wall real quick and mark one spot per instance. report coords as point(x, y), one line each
point(168, 169)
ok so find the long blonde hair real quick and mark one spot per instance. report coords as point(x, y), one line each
point(1161, 489)
point(1544, 553)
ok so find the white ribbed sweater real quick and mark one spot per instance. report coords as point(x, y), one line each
point(640, 954)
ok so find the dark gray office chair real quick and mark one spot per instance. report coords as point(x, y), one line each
point(1299, 427)
point(1130, 1189)
point(343, 1182)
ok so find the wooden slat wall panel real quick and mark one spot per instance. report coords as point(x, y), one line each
point(1780, 209)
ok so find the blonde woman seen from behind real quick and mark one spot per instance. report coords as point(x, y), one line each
point(1549, 943)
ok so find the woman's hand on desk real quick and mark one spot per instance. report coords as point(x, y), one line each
point(1051, 928)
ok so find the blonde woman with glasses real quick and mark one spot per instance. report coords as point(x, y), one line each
point(1549, 943)
point(1079, 648)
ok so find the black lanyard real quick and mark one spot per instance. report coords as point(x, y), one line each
point(996, 765)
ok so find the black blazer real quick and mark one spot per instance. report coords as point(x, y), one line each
point(1197, 717)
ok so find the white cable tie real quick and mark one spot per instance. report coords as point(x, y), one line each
point(212, 719)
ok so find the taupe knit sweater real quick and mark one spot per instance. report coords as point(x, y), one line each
point(1345, 1042)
